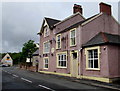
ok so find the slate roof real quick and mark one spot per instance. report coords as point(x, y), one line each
point(78, 23)
point(103, 38)
point(51, 22)
point(36, 53)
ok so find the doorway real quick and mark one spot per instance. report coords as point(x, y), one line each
point(74, 64)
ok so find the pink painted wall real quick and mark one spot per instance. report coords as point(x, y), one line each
point(103, 23)
point(65, 46)
point(114, 62)
point(103, 72)
point(52, 59)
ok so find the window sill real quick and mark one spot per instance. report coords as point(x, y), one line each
point(73, 45)
point(46, 53)
point(94, 69)
point(62, 67)
point(58, 48)
point(46, 36)
point(45, 68)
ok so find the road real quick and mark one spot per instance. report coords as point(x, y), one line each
point(14, 78)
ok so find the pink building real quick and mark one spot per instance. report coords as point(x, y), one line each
point(81, 48)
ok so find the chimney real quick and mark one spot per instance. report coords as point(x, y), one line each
point(77, 8)
point(105, 8)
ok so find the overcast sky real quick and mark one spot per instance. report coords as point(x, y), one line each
point(21, 21)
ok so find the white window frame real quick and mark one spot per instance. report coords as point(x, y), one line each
point(58, 42)
point(74, 29)
point(46, 63)
point(61, 54)
point(92, 59)
point(46, 47)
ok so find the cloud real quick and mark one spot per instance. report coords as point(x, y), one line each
point(21, 21)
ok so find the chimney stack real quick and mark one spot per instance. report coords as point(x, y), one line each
point(77, 8)
point(105, 8)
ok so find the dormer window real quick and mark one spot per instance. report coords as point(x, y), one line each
point(46, 31)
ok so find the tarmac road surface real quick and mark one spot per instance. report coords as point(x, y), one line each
point(15, 79)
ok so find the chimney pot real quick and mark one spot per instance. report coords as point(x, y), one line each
point(77, 8)
point(105, 8)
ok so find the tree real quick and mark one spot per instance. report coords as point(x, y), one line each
point(28, 49)
point(15, 57)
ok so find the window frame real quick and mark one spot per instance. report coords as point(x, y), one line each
point(46, 31)
point(60, 53)
point(87, 59)
point(74, 29)
point(45, 63)
point(44, 47)
point(57, 41)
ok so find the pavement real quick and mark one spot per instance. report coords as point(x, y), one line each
point(111, 86)
point(55, 81)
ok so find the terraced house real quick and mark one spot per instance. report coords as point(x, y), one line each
point(83, 48)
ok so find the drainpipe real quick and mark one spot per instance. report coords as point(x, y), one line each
point(80, 51)
point(79, 47)
point(80, 61)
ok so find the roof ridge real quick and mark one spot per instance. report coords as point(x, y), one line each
point(51, 18)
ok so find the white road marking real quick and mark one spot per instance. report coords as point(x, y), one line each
point(15, 75)
point(26, 80)
point(46, 87)
point(9, 73)
point(5, 71)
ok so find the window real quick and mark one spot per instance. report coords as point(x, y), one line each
point(8, 58)
point(72, 37)
point(46, 47)
point(46, 31)
point(58, 41)
point(46, 63)
point(74, 55)
point(92, 58)
point(62, 60)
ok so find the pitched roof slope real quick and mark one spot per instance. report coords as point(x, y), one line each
point(51, 22)
point(78, 13)
point(81, 22)
point(103, 38)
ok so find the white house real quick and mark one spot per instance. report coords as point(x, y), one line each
point(7, 60)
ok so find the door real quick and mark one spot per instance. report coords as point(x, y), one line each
point(74, 64)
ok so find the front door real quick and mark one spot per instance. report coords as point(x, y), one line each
point(74, 64)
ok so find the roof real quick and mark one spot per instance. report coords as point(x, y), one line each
point(51, 22)
point(70, 17)
point(36, 53)
point(103, 38)
point(81, 22)
point(4, 58)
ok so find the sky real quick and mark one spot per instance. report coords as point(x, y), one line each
point(21, 21)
